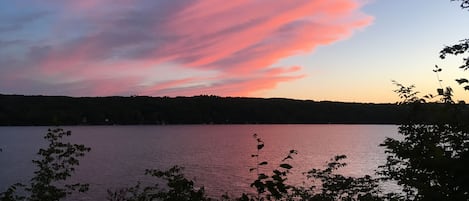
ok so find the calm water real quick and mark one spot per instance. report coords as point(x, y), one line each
point(216, 156)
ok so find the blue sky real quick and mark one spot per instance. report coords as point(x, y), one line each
point(401, 44)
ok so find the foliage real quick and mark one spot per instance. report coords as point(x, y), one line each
point(407, 94)
point(322, 185)
point(464, 3)
point(56, 165)
point(339, 187)
point(456, 49)
point(430, 161)
point(11, 195)
point(48, 110)
point(459, 48)
point(179, 188)
point(271, 187)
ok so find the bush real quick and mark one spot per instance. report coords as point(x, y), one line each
point(56, 164)
point(430, 161)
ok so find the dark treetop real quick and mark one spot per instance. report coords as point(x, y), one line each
point(61, 110)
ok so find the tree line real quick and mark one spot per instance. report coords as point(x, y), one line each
point(19, 110)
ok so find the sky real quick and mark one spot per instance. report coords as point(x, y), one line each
point(336, 50)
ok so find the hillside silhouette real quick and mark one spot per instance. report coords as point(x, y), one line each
point(18, 110)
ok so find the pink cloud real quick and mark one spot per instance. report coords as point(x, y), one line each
point(103, 87)
point(238, 28)
point(161, 86)
point(238, 40)
point(229, 84)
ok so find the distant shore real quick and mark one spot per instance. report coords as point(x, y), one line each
point(19, 110)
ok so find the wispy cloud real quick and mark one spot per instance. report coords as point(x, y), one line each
point(235, 45)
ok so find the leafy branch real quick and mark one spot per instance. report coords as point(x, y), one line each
point(56, 164)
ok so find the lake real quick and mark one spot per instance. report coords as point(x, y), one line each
point(216, 156)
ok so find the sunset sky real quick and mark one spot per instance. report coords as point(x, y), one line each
point(338, 50)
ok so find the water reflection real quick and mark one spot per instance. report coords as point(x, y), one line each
point(217, 156)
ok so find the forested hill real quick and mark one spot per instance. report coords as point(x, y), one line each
point(60, 110)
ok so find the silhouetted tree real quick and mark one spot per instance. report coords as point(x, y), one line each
point(179, 188)
point(56, 164)
point(430, 162)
